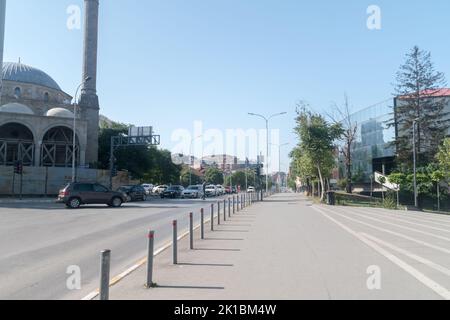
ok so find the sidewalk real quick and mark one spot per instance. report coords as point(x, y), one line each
point(281, 249)
point(248, 257)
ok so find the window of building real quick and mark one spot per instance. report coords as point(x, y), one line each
point(17, 92)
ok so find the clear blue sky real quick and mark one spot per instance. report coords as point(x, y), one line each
point(168, 63)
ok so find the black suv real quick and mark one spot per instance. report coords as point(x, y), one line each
point(173, 192)
point(134, 193)
point(76, 194)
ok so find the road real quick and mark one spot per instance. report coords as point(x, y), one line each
point(38, 242)
point(300, 251)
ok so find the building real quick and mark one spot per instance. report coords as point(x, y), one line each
point(36, 115)
point(372, 150)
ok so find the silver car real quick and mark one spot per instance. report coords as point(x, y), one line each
point(193, 192)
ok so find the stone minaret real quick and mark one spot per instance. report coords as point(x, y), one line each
point(89, 104)
point(2, 39)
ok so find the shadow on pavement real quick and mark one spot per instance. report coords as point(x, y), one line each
point(206, 264)
point(190, 287)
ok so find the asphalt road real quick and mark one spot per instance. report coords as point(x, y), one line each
point(38, 242)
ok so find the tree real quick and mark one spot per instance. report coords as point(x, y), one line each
point(316, 146)
point(443, 158)
point(350, 129)
point(417, 88)
point(214, 176)
point(142, 162)
point(187, 176)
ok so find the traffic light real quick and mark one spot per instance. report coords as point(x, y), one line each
point(18, 167)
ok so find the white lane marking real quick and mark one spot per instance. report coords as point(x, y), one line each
point(409, 254)
point(431, 284)
point(417, 214)
point(401, 220)
point(400, 235)
point(401, 227)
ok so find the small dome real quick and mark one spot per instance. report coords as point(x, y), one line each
point(60, 113)
point(16, 108)
point(22, 73)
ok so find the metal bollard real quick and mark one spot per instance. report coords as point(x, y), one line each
point(229, 207)
point(191, 230)
point(234, 204)
point(104, 274)
point(212, 217)
point(237, 203)
point(175, 242)
point(224, 210)
point(150, 255)
point(218, 213)
point(202, 222)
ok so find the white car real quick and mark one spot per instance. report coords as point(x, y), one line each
point(159, 189)
point(193, 192)
point(148, 188)
point(211, 191)
point(220, 190)
point(251, 190)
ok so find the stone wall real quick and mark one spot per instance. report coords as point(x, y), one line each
point(39, 181)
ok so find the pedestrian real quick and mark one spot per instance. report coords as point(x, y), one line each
point(204, 190)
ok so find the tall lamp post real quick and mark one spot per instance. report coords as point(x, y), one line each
point(280, 181)
point(416, 202)
point(74, 146)
point(267, 119)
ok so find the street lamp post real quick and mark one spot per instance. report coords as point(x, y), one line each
point(267, 119)
point(74, 145)
point(416, 202)
point(280, 182)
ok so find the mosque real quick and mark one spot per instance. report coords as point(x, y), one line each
point(37, 117)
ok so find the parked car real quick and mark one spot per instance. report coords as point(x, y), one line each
point(148, 188)
point(211, 191)
point(221, 190)
point(251, 189)
point(228, 190)
point(134, 193)
point(193, 192)
point(76, 194)
point(234, 190)
point(172, 192)
point(159, 189)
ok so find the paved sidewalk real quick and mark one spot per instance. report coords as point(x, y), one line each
point(279, 249)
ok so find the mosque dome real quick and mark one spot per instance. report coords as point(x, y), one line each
point(19, 72)
point(60, 113)
point(16, 108)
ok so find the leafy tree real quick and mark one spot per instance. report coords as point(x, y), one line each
point(443, 159)
point(316, 146)
point(417, 85)
point(214, 176)
point(187, 176)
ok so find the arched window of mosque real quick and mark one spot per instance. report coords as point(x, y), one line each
point(17, 92)
point(46, 97)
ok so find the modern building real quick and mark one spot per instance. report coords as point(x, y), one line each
point(36, 115)
point(372, 149)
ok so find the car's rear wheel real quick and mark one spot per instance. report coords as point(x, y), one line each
point(144, 198)
point(74, 203)
point(129, 198)
point(116, 202)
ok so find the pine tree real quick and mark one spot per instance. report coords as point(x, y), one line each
point(418, 99)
